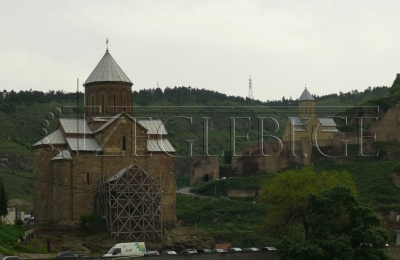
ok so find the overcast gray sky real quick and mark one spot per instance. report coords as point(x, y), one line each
point(329, 45)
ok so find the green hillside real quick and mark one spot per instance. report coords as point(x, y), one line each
point(238, 220)
point(23, 115)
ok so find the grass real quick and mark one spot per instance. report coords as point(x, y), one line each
point(376, 189)
point(236, 222)
point(9, 240)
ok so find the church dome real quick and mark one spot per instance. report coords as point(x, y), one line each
point(306, 96)
point(107, 71)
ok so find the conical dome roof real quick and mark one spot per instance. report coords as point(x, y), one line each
point(107, 71)
point(306, 96)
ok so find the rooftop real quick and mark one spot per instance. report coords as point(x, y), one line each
point(107, 71)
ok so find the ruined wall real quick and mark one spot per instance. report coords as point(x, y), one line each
point(202, 166)
point(387, 129)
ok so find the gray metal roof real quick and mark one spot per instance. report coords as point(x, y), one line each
point(55, 137)
point(83, 144)
point(119, 174)
point(122, 171)
point(107, 71)
point(295, 121)
point(158, 145)
point(63, 155)
point(326, 121)
point(110, 120)
point(153, 126)
point(75, 126)
point(306, 96)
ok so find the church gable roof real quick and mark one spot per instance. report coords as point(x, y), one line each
point(326, 121)
point(83, 144)
point(306, 96)
point(55, 137)
point(109, 122)
point(153, 126)
point(159, 145)
point(75, 126)
point(107, 71)
point(300, 123)
point(121, 172)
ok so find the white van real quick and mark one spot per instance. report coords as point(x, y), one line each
point(134, 249)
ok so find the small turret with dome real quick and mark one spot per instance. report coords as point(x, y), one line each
point(306, 105)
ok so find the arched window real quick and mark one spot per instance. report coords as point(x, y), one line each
point(124, 143)
point(87, 178)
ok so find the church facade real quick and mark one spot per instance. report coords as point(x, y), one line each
point(107, 146)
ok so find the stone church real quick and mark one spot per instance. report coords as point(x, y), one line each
point(107, 162)
point(306, 123)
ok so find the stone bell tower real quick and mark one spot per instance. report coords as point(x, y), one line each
point(306, 105)
point(108, 91)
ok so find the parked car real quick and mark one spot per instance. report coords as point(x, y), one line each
point(202, 251)
point(234, 249)
point(168, 252)
point(251, 249)
point(14, 257)
point(188, 251)
point(269, 248)
point(217, 250)
point(67, 254)
point(148, 253)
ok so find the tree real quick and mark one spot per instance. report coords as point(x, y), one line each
point(3, 200)
point(286, 198)
point(340, 228)
point(227, 157)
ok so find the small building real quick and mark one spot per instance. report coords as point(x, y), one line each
point(13, 215)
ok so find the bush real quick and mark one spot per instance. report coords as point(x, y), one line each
point(19, 222)
point(91, 217)
point(396, 168)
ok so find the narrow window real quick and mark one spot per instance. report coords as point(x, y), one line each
point(87, 178)
point(92, 105)
point(102, 104)
point(123, 143)
point(114, 103)
point(124, 103)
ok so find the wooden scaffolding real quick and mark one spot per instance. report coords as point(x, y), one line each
point(131, 203)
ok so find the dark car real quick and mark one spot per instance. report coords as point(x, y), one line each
point(188, 251)
point(67, 254)
point(12, 258)
point(268, 248)
point(148, 253)
point(234, 249)
point(217, 250)
point(202, 251)
point(168, 252)
point(251, 249)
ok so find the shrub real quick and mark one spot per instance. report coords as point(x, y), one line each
point(396, 168)
point(91, 217)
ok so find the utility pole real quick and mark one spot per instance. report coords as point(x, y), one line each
point(250, 96)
